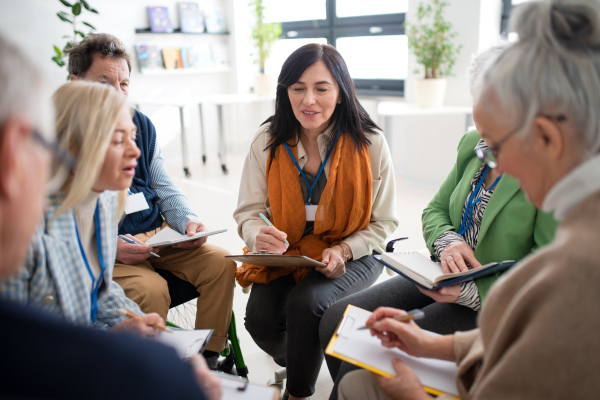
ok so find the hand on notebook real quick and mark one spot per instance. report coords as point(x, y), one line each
point(334, 258)
point(447, 294)
point(191, 229)
point(208, 382)
point(455, 256)
point(142, 325)
point(405, 385)
point(131, 254)
point(271, 239)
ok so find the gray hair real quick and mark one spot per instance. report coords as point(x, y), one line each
point(81, 55)
point(552, 70)
point(480, 60)
point(22, 89)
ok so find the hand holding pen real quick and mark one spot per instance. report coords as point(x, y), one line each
point(270, 238)
point(132, 241)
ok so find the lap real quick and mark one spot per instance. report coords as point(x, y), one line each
point(360, 385)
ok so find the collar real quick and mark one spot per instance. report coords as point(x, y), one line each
point(322, 140)
point(573, 188)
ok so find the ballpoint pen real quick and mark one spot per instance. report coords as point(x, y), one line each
point(261, 215)
point(136, 243)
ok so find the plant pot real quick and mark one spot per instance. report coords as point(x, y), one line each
point(264, 85)
point(430, 92)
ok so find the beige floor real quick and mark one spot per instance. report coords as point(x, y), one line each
point(213, 196)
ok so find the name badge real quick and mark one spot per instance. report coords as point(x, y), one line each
point(311, 210)
point(135, 202)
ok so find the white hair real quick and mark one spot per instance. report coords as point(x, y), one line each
point(22, 90)
point(480, 60)
point(552, 70)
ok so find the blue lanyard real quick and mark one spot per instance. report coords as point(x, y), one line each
point(466, 220)
point(95, 284)
point(310, 188)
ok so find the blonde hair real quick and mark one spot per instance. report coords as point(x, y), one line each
point(86, 117)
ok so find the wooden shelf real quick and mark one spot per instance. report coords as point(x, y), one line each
point(177, 31)
point(186, 71)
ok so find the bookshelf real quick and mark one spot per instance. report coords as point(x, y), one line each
point(184, 71)
point(176, 31)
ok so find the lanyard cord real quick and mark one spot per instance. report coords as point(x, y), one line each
point(310, 188)
point(466, 220)
point(95, 283)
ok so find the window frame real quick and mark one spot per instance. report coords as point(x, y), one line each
point(507, 8)
point(333, 28)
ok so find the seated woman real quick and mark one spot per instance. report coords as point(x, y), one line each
point(477, 217)
point(68, 271)
point(538, 337)
point(322, 171)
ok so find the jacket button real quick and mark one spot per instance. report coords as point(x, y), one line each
point(48, 299)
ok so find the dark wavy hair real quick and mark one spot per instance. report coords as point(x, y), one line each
point(348, 115)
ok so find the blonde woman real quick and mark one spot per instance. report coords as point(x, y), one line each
point(70, 261)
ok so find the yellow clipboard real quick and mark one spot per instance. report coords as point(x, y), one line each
point(330, 352)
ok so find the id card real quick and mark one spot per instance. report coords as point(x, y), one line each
point(311, 210)
point(135, 202)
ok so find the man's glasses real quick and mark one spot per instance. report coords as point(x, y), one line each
point(63, 163)
point(490, 155)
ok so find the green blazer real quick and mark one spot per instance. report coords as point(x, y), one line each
point(511, 227)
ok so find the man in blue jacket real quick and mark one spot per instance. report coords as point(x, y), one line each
point(103, 58)
point(42, 357)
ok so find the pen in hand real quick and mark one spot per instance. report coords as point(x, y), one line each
point(262, 216)
point(125, 238)
point(131, 314)
point(414, 314)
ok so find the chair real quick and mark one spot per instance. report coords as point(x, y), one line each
point(182, 292)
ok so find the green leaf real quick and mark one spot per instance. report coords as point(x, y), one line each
point(64, 18)
point(85, 23)
point(66, 3)
point(58, 61)
point(85, 5)
point(66, 36)
point(57, 51)
point(80, 33)
point(68, 45)
point(76, 9)
point(94, 11)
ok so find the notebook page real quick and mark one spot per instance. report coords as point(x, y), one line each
point(415, 262)
point(165, 235)
point(359, 345)
point(186, 343)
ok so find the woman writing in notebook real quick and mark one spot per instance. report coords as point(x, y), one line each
point(536, 108)
point(321, 171)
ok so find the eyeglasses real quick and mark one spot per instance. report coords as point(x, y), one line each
point(63, 163)
point(490, 156)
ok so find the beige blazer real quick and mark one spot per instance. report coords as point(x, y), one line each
point(253, 195)
point(539, 335)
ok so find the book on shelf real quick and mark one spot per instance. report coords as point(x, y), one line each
point(203, 56)
point(159, 19)
point(220, 54)
point(190, 18)
point(214, 21)
point(430, 275)
point(187, 57)
point(172, 58)
point(149, 56)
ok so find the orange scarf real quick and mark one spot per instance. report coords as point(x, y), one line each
point(344, 207)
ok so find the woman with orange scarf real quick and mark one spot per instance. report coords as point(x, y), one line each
point(322, 172)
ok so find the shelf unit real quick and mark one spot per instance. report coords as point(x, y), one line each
point(185, 71)
point(176, 31)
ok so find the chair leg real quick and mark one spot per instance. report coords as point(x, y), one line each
point(240, 365)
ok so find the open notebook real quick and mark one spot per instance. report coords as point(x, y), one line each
point(186, 343)
point(168, 236)
point(358, 347)
point(430, 275)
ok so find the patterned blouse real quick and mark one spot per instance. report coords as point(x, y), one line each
point(469, 295)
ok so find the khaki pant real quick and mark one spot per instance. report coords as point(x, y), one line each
point(360, 385)
point(204, 267)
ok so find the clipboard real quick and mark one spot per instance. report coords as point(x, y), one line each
point(278, 260)
point(345, 327)
point(235, 388)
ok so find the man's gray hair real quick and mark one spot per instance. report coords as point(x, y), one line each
point(81, 55)
point(552, 70)
point(22, 89)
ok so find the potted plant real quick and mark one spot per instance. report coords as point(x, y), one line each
point(71, 18)
point(430, 39)
point(264, 37)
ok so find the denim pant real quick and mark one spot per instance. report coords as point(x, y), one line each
point(283, 318)
point(442, 318)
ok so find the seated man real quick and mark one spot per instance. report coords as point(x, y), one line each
point(103, 58)
point(41, 357)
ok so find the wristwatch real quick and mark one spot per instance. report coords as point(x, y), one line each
point(346, 255)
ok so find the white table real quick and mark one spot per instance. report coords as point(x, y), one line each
point(423, 144)
point(219, 101)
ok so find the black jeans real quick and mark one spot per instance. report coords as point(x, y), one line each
point(283, 318)
point(442, 318)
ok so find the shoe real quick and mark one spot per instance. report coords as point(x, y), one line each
point(212, 359)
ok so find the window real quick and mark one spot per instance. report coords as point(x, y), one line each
point(369, 35)
point(507, 7)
